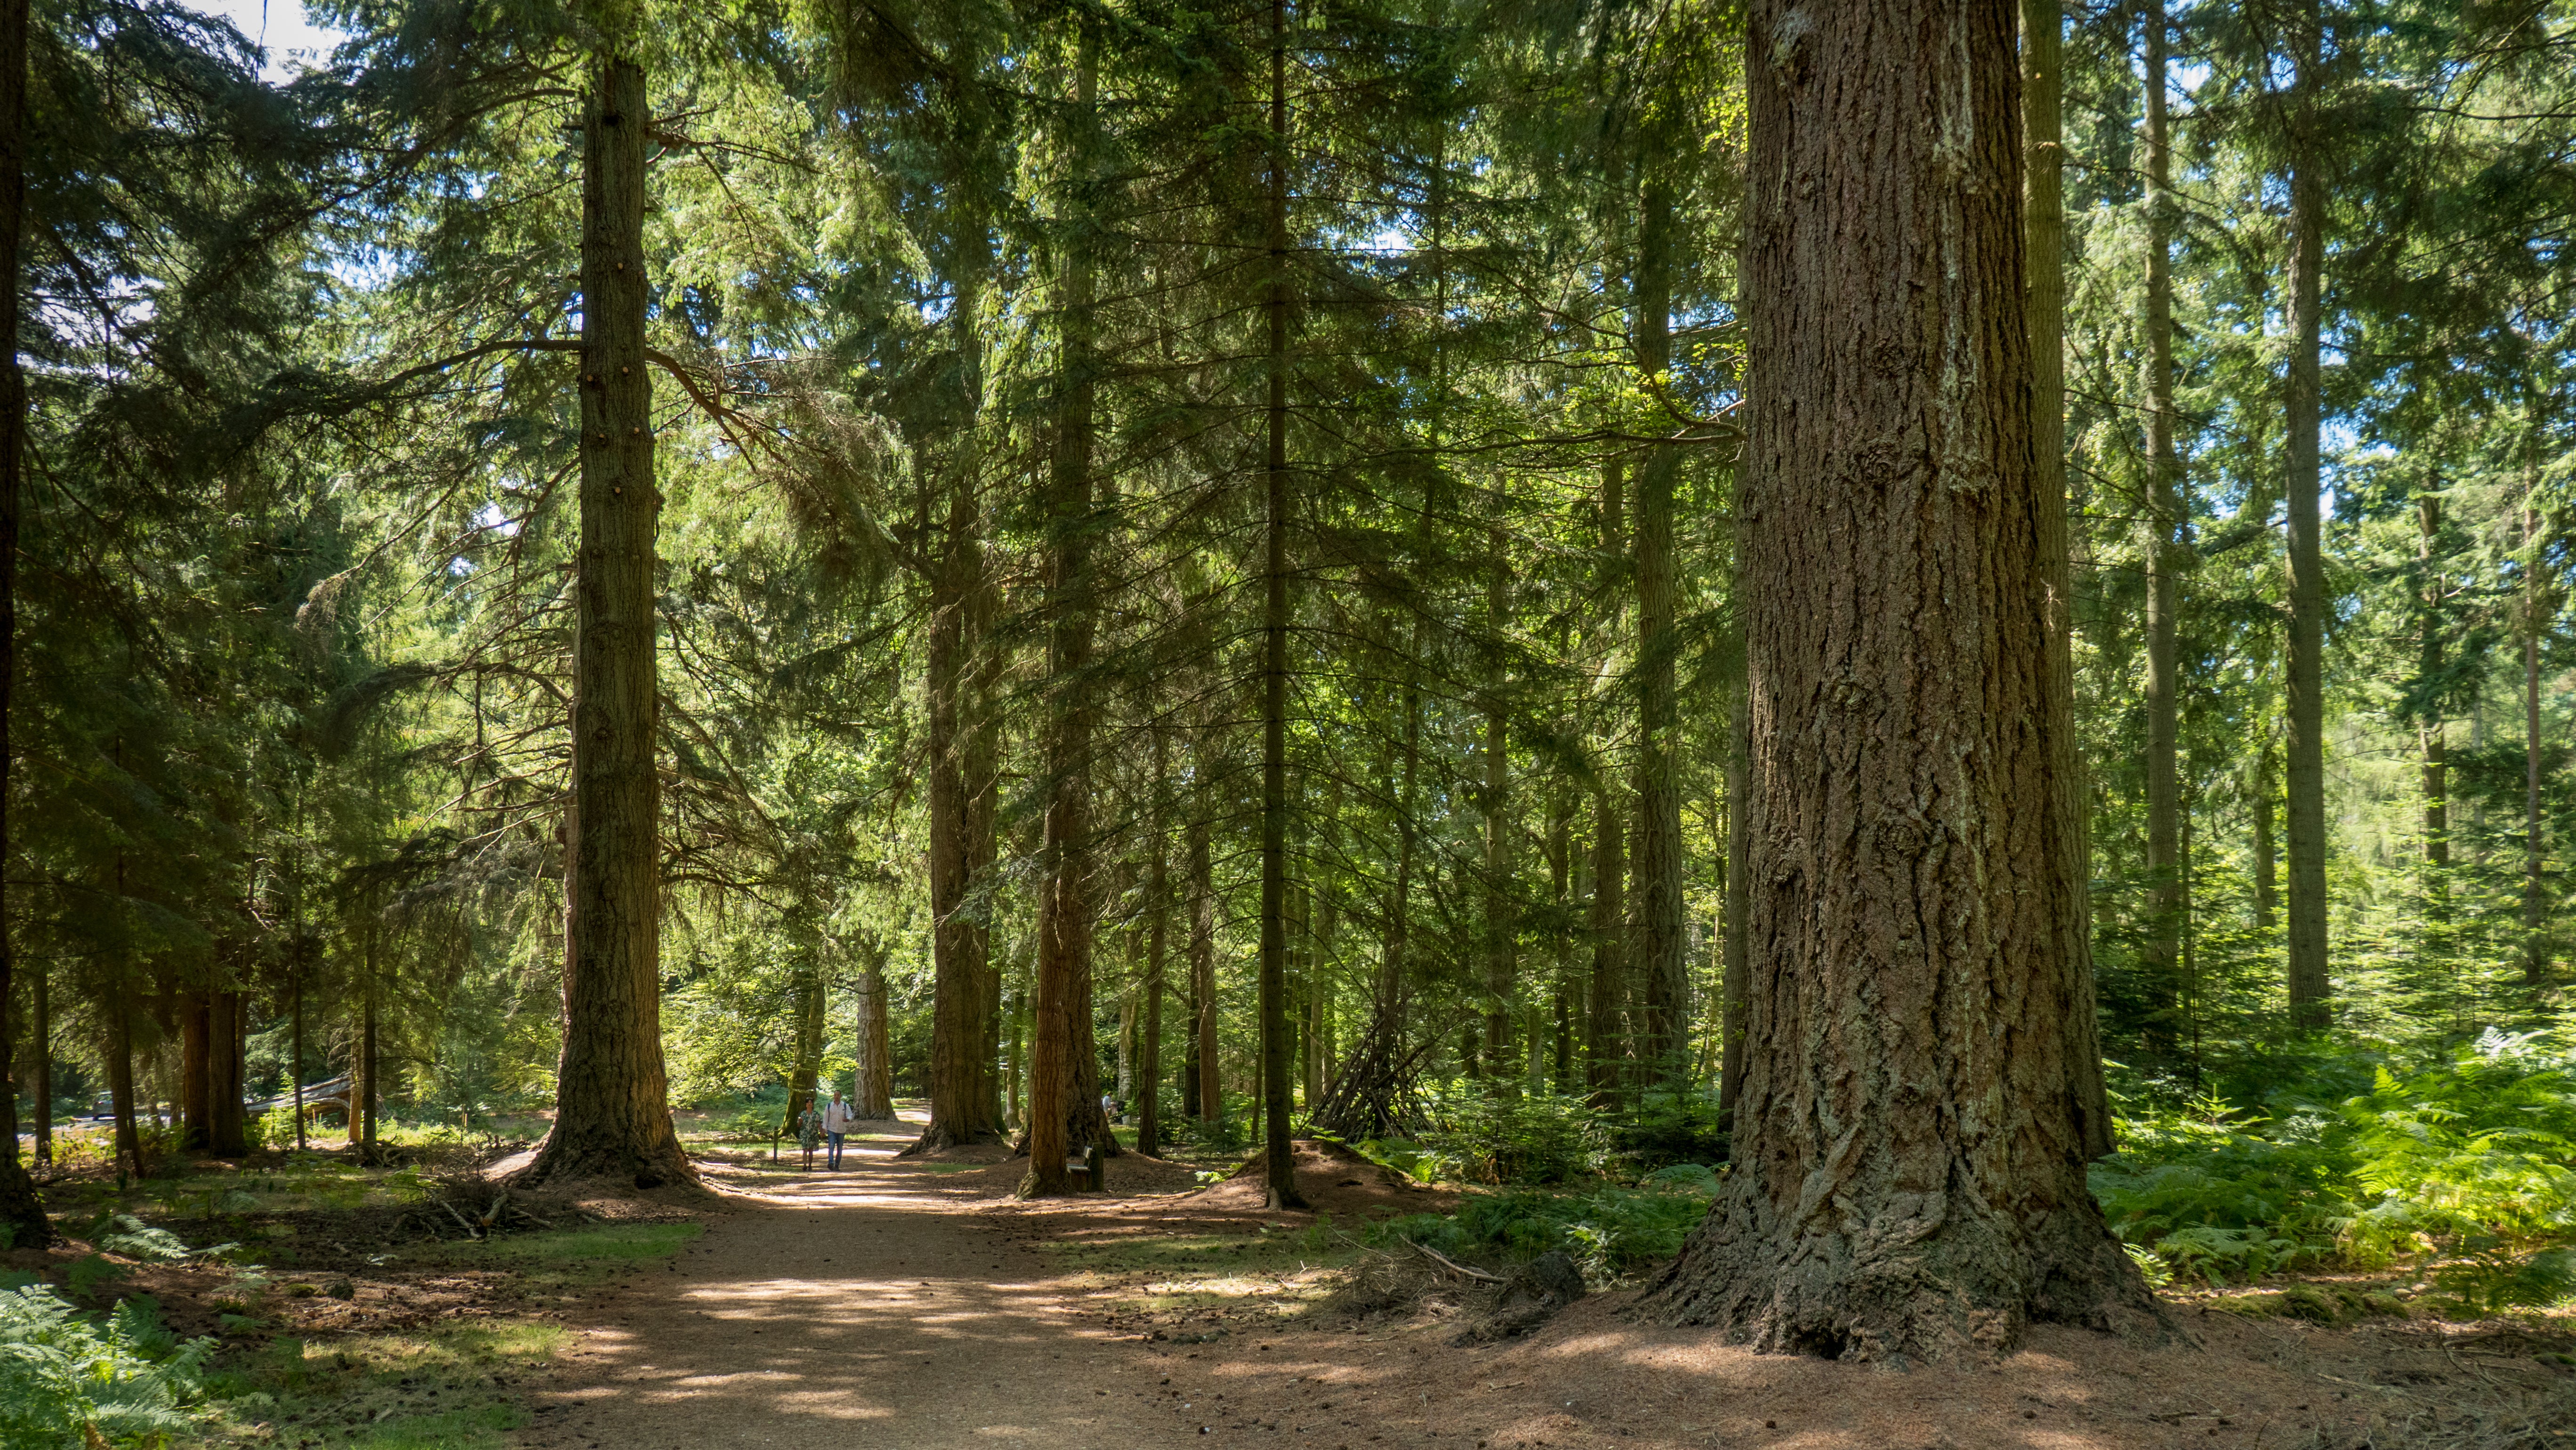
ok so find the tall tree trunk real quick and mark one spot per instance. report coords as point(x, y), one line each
point(2310, 991)
point(1500, 968)
point(364, 1090)
point(1561, 887)
point(40, 1037)
point(196, 1025)
point(2429, 668)
point(2044, 278)
point(295, 1028)
point(1657, 956)
point(120, 1081)
point(872, 1085)
point(805, 1067)
point(21, 1211)
point(612, 1095)
point(1158, 916)
point(962, 1103)
point(228, 1022)
point(2162, 519)
point(2535, 900)
point(2267, 860)
point(1737, 977)
point(1609, 989)
point(1207, 1097)
point(1910, 1139)
point(1279, 1162)
point(1061, 1108)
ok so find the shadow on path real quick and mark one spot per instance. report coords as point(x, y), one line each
point(864, 1307)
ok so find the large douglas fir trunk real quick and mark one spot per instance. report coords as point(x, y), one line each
point(1911, 1131)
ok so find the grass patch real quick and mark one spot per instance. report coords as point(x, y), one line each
point(607, 1243)
point(451, 1387)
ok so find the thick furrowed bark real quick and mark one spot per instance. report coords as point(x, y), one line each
point(1910, 1138)
point(612, 1101)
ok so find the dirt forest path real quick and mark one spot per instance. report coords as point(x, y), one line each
point(865, 1307)
point(900, 1304)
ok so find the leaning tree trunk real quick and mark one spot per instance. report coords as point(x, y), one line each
point(1910, 1138)
point(2163, 516)
point(2310, 990)
point(612, 1094)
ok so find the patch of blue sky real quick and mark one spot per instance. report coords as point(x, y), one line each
point(290, 42)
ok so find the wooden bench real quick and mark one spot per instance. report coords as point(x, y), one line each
point(1087, 1169)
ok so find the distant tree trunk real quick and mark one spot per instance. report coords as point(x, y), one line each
point(612, 1098)
point(805, 1067)
point(872, 1083)
point(1279, 1166)
point(1910, 1137)
point(228, 1022)
point(40, 1036)
point(2044, 276)
point(1500, 968)
point(1737, 976)
point(196, 1028)
point(2267, 860)
point(2430, 667)
point(1657, 956)
point(364, 1089)
point(2162, 519)
point(1560, 884)
point(1609, 860)
point(1207, 1096)
point(2310, 991)
point(1158, 915)
point(1363, 1099)
point(295, 1070)
point(120, 1081)
point(961, 1100)
point(2535, 900)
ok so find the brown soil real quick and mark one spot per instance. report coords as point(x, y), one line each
point(905, 1304)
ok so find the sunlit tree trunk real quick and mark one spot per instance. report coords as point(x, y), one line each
point(872, 1083)
point(2310, 990)
point(612, 1102)
point(2162, 518)
point(1910, 1138)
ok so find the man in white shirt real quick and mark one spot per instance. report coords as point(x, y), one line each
point(836, 1123)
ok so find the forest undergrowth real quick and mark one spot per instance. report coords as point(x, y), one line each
point(300, 1299)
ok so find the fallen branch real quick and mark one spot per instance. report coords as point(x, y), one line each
point(1453, 1266)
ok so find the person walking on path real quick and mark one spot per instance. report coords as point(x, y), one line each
point(809, 1132)
point(837, 1120)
